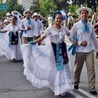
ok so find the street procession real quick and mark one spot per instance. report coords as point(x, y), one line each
point(49, 48)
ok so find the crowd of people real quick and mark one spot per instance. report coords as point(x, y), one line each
point(47, 65)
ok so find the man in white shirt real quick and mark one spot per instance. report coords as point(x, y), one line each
point(70, 21)
point(28, 27)
point(85, 45)
point(8, 17)
point(38, 25)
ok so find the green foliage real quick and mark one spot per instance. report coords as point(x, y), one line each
point(35, 6)
point(13, 5)
point(2, 13)
point(61, 4)
point(73, 8)
point(45, 7)
point(19, 8)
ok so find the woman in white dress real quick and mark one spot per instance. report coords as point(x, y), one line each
point(10, 41)
point(47, 65)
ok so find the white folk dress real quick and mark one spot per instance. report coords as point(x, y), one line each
point(40, 66)
point(12, 51)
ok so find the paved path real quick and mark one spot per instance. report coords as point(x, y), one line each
point(13, 83)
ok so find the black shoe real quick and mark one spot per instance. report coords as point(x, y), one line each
point(93, 93)
point(14, 60)
point(76, 87)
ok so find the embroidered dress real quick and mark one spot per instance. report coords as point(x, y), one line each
point(7, 49)
point(40, 64)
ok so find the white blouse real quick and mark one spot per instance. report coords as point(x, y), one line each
point(56, 36)
point(10, 27)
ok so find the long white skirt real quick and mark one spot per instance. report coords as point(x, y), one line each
point(40, 69)
point(12, 52)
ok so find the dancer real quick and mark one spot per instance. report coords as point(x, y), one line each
point(48, 65)
point(10, 41)
point(28, 27)
point(85, 44)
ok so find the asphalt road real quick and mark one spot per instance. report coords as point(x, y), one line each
point(13, 83)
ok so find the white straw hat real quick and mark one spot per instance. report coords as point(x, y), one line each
point(13, 12)
point(8, 14)
point(69, 14)
point(27, 10)
point(78, 11)
point(35, 14)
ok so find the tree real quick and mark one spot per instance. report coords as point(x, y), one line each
point(72, 9)
point(91, 4)
point(45, 7)
point(61, 4)
point(35, 5)
point(48, 6)
point(13, 5)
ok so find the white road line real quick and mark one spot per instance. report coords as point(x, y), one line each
point(75, 95)
point(86, 93)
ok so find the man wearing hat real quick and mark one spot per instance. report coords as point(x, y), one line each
point(39, 26)
point(85, 45)
point(27, 27)
point(8, 16)
point(70, 21)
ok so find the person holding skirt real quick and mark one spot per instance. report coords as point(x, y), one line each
point(10, 41)
point(48, 65)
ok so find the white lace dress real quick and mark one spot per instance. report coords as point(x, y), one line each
point(40, 66)
point(12, 51)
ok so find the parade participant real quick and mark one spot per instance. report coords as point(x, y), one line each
point(48, 65)
point(8, 16)
point(94, 18)
point(39, 26)
point(85, 44)
point(17, 15)
point(70, 21)
point(1, 24)
point(49, 20)
point(10, 42)
point(28, 27)
point(5, 23)
point(95, 23)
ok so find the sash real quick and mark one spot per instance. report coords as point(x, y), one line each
point(60, 52)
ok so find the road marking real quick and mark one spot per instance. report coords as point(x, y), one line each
point(75, 95)
point(86, 93)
